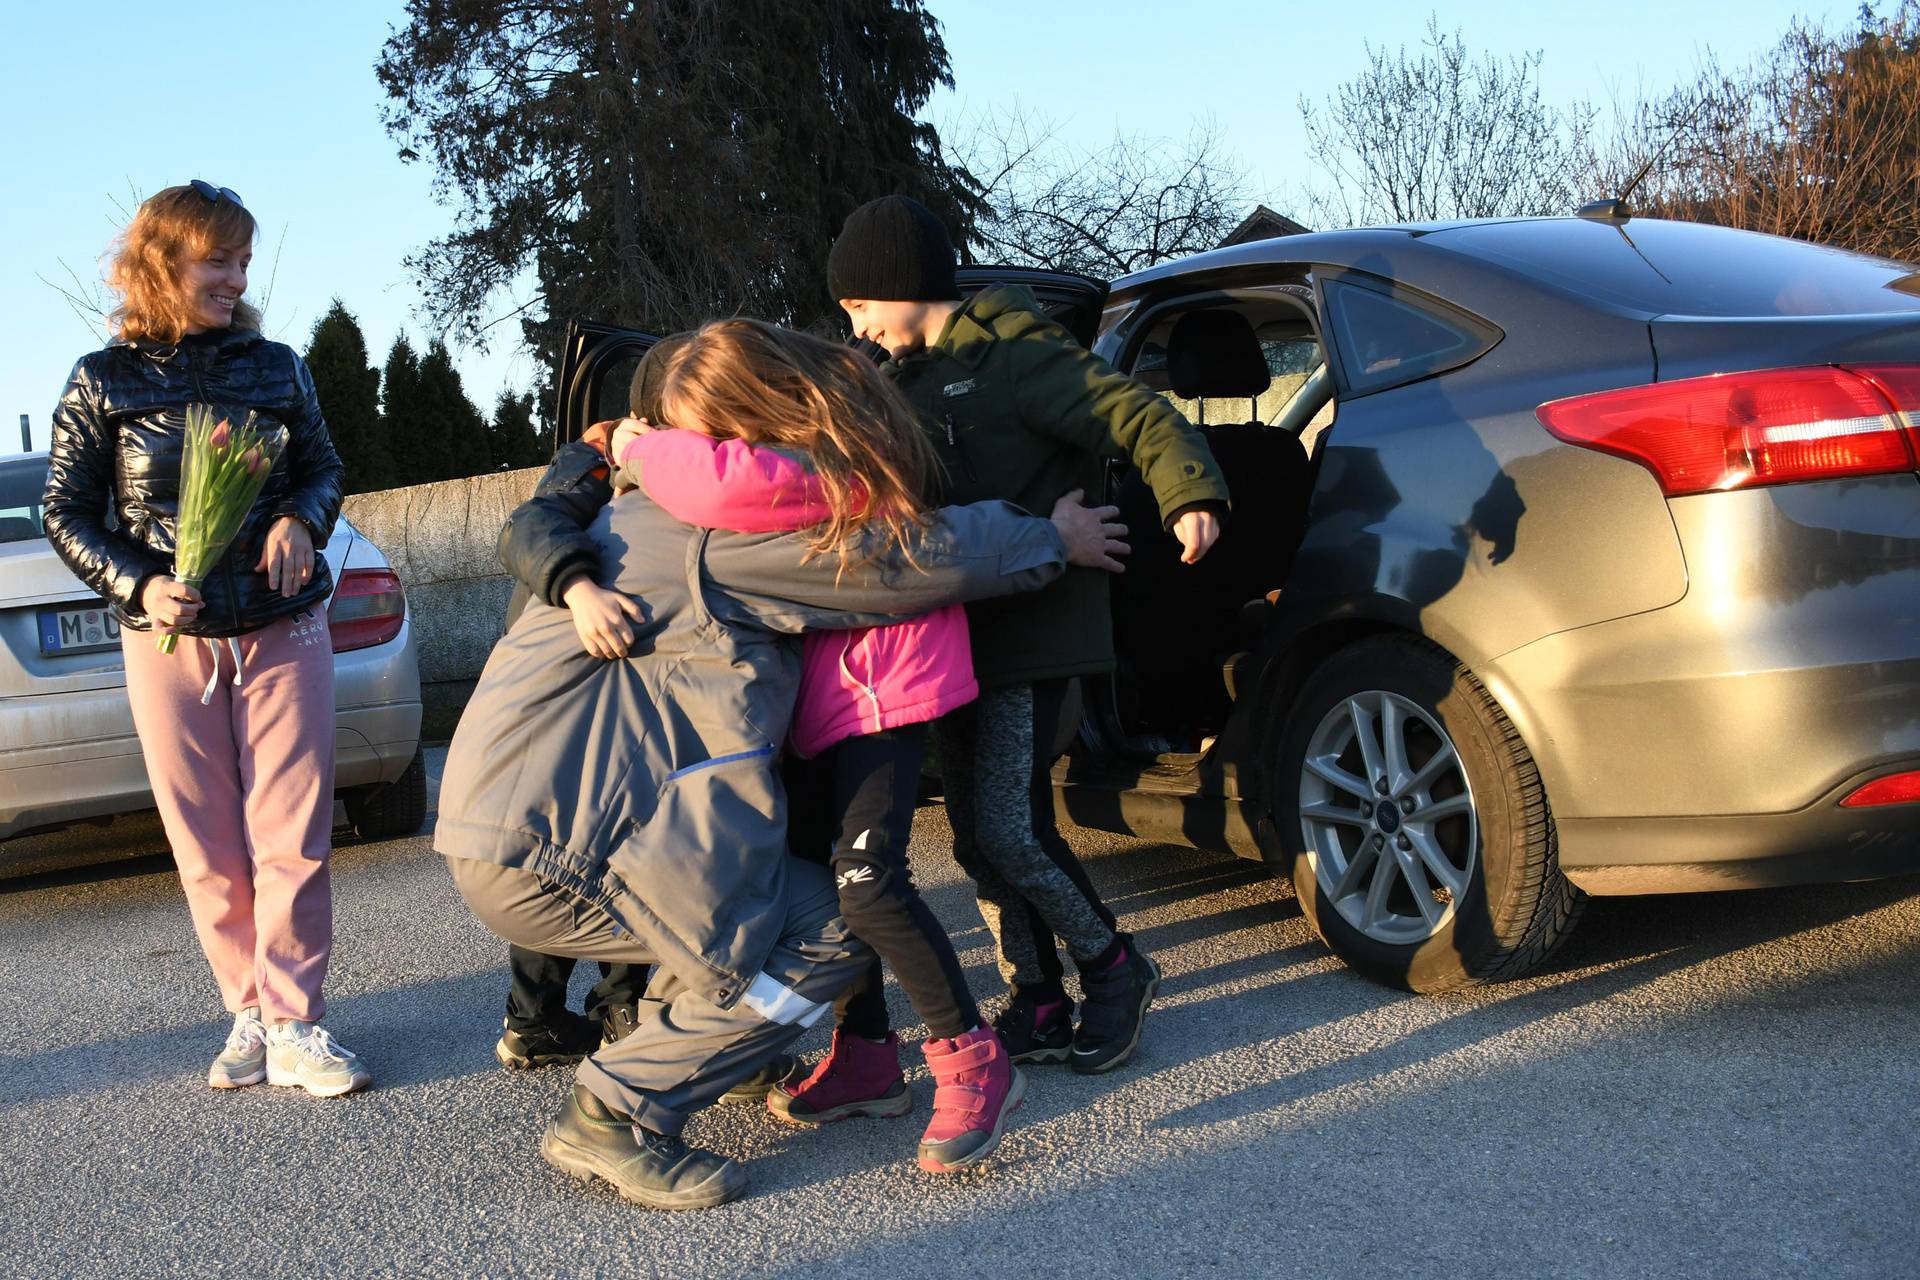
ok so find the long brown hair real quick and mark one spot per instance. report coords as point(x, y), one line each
point(170, 228)
point(753, 381)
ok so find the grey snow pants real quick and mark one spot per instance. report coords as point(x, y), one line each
point(686, 1050)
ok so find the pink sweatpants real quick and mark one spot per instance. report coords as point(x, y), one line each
point(244, 785)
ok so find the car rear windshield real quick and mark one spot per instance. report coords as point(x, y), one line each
point(22, 482)
point(1686, 268)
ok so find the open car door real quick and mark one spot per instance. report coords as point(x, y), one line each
point(1075, 301)
point(597, 364)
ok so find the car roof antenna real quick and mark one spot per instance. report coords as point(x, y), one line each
point(1615, 210)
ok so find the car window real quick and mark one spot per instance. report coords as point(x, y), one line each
point(1288, 343)
point(22, 482)
point(1386, 339)
point(611, 397)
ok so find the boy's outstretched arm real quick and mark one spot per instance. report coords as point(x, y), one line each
point(1067, 392)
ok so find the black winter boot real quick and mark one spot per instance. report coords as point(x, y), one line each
point(589, 1140)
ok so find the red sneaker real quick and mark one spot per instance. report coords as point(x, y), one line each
point(978, 1088)
point(857, 1078)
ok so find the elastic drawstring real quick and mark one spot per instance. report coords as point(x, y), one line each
point(213, 681)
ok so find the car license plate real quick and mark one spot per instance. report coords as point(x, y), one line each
point(86, 629)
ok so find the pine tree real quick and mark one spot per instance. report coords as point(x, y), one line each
point(452, 434)
point(515, 441)
point(350, 398)
point(657, 164)
point(400, 414)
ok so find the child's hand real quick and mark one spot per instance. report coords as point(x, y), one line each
point(1197, 532)
point(603, 619)
point(625, 432)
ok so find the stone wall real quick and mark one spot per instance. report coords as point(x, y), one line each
point(440, 540)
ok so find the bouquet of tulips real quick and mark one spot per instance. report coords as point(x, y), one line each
point(222, 472)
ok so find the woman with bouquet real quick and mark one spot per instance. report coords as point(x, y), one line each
point(236, 722)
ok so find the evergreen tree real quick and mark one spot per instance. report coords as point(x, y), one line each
point(350, 398)
point(452, 433)
point(660, 163)
point(515, 441)
point(400, 415)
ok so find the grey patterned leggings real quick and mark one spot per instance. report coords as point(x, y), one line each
point(996, 755)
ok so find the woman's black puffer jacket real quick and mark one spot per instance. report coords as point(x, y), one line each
point(117, 438)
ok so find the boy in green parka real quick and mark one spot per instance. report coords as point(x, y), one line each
point(1019, 410)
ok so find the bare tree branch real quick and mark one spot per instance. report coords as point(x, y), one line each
point(1441, 135)
point(1135, 202)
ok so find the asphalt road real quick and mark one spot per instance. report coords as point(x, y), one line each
point(1704, 1086)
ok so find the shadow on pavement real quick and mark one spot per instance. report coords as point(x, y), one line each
point(406, 1035)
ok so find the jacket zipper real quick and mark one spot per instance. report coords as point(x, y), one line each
point(846, 669)
point(960, 451)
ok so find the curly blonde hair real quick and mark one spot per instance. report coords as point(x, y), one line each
point(753, 381)
point(171, 228)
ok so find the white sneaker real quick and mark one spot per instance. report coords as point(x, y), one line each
point(244, 1060)
point(302, 1055)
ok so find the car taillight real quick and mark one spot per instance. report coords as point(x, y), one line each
point(1898, 788)
point(368, 608)
point(1743, 430)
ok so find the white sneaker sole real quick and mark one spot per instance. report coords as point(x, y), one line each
point(328, 1089)
point(222, 1080)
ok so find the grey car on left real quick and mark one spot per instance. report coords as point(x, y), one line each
point(68, 752)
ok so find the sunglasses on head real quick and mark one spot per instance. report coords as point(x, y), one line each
point(217, 194)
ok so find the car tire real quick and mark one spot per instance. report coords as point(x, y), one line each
point(1455, 878)
point(390, 809)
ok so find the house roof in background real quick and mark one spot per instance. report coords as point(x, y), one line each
point(1262, 224)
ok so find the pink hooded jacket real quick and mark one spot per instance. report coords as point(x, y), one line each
point(851, 682)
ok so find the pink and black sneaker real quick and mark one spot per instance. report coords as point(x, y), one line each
point(978, 1088)
point(859, 1077)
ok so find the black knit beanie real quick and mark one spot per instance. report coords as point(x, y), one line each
point(893, 249)
point(643, 397)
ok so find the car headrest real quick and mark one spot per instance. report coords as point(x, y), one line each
point(18, 529)
point(1214, 354)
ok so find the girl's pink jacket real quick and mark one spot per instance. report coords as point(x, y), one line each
point(851, 682)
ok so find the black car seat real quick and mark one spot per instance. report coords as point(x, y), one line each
point(1175, 623)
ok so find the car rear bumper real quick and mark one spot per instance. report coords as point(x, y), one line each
point(55, 786)
point(1820, 844)
point(1715, 738)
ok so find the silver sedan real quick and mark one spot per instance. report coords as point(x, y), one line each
point(68, 752)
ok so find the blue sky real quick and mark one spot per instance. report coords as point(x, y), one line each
point(100, 101)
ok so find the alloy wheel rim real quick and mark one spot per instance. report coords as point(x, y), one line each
point(1387, 818)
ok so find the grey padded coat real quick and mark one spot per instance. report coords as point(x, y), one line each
point(648, 785)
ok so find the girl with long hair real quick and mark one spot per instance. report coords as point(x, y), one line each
point(782, 431)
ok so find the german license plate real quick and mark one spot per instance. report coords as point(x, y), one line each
point(85, 629)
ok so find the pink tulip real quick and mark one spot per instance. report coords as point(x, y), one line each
point(221, 435)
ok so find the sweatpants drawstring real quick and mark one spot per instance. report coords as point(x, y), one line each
point(239, 667)
point(214, 679)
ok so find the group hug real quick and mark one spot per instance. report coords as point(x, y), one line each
point(758, 608)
